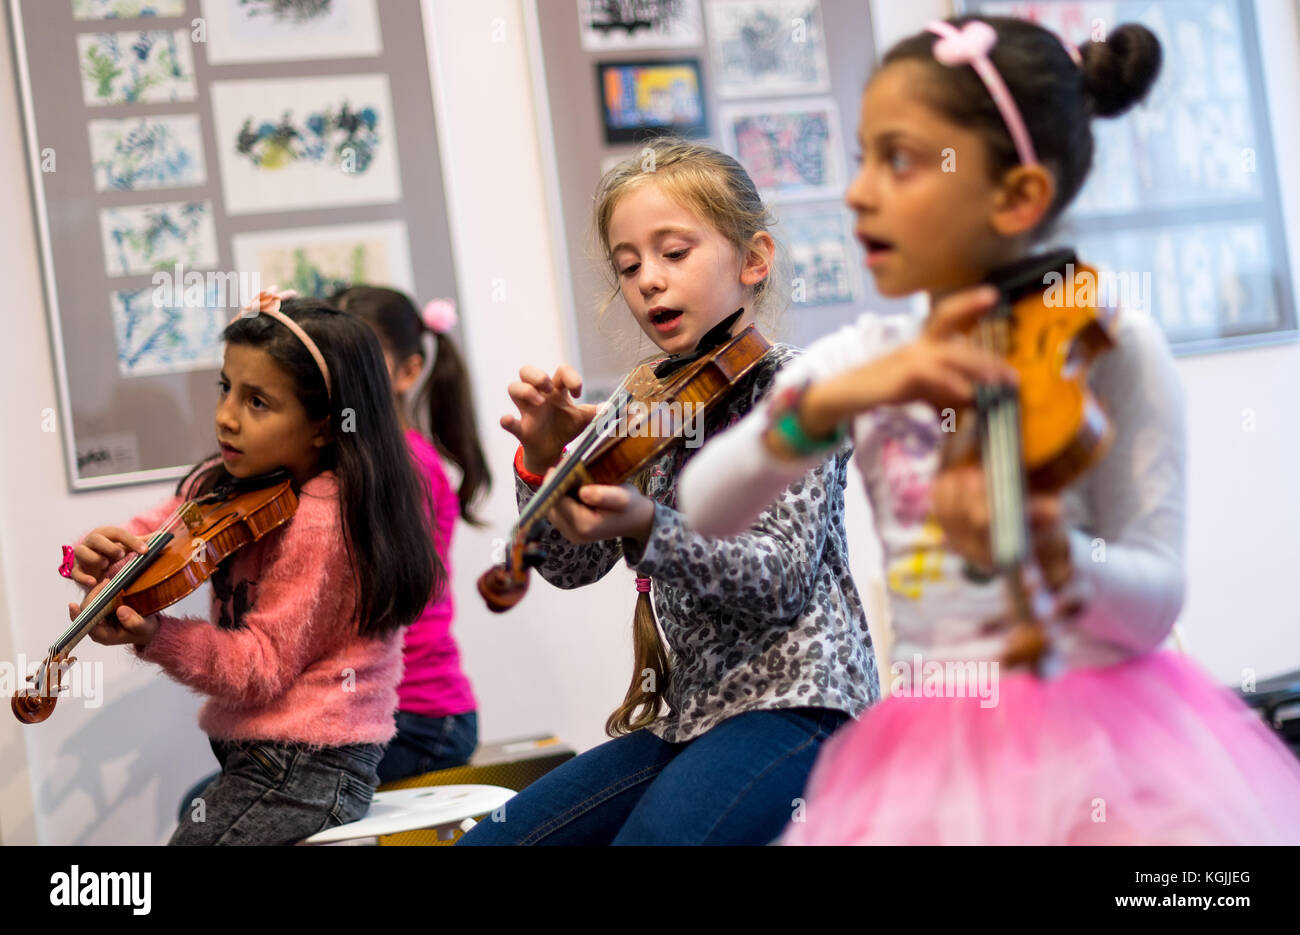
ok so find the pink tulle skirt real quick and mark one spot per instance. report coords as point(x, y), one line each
point(1148, 751)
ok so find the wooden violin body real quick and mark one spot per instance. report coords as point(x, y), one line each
point(1041, 436)
point(642, 422)
point(181, 556)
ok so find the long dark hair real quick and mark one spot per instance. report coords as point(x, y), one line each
point(1057, 98)
point(444, 397)
point(385, 507)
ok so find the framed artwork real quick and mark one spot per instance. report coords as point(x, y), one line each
point(178, 168)
point(282, 30)
point(305, 142)
point(619, 25)
point(1182, 203)
point(766, 47)
point(791, 148)
point(824, 256)
point(642, 99)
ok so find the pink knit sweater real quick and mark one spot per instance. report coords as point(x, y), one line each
point(280, 658)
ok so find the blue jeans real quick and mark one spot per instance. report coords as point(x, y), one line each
point(423, 744)
point(736, 784)
point(272, 793)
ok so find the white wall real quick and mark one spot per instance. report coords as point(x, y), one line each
point(560, 661)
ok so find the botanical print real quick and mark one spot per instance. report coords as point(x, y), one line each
point(791, 150)
point(136, 67)
point(306, 142)
point(126, 9)
point(639, 24)
point(320, 261)
point(143, 238)
point(148, 152)
point(767, 47)
point(284, 30)
point(155, 337)
point(822, 255)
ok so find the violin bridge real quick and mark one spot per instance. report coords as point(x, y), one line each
point(192, 516)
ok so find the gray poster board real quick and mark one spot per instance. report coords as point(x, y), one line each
point(131, 427)
point(608, 345)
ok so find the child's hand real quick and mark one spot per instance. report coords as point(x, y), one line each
point(122, 626)
point(961, 507)
point(604, 513)
point(548, 416)
point(941, 367)
point(99, 550)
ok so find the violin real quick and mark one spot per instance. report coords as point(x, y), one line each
point(641, 422)
point(1041, 436)
point(181, 554)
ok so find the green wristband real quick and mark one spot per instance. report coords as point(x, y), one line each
point(798, 441)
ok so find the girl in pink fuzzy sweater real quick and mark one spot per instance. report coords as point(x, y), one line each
point(302, 654)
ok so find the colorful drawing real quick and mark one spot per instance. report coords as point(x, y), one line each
point(144, 238)
point(126, 9)
point(154, 336)
point(792, 151)
point(639, 24)
point(306, 142)
point(823, 257)
point(283, 30)
point(644, 98)
point(319, 261)
point(767, 47)
point(148, 152)
point(136, 67)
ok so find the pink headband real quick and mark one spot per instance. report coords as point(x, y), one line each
point(971, 45)
point(267, 302)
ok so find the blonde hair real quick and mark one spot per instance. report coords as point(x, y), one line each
point(711, 185)
point(717, 189)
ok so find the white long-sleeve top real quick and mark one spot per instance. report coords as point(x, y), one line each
point(1126, 515)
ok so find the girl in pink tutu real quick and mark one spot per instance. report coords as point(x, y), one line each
point(975, 136)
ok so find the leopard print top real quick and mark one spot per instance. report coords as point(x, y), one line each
point(768, 619)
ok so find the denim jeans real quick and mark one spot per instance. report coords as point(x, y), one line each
point(739, 783)
point(423, 744)
point(271, 793)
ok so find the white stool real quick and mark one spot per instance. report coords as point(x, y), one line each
point(443, 807)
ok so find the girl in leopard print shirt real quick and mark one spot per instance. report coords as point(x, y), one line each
point(767, 650)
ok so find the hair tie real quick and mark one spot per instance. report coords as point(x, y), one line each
point(267, 302)
point(65, 568)
point(642, 585)
point(440, 315)
point(971, 45)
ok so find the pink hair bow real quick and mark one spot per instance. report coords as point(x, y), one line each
point(971, 45)
point(267, 302)
point(440, 315)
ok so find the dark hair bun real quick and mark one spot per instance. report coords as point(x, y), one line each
point(1119, 72)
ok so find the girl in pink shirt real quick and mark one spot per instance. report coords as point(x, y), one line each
point(301, 655)
point(437, 726)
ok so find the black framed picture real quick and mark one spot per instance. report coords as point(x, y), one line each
point(643, 99)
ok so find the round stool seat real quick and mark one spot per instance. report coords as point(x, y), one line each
point(413, 809)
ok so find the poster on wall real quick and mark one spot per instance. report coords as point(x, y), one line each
point(278, 31)
point(641, 99)
point(191, 168)
point(322, 260)
point(305, 142)
point(765, 47)
point(824, 258)
point(791, 149)
point(619, 25)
